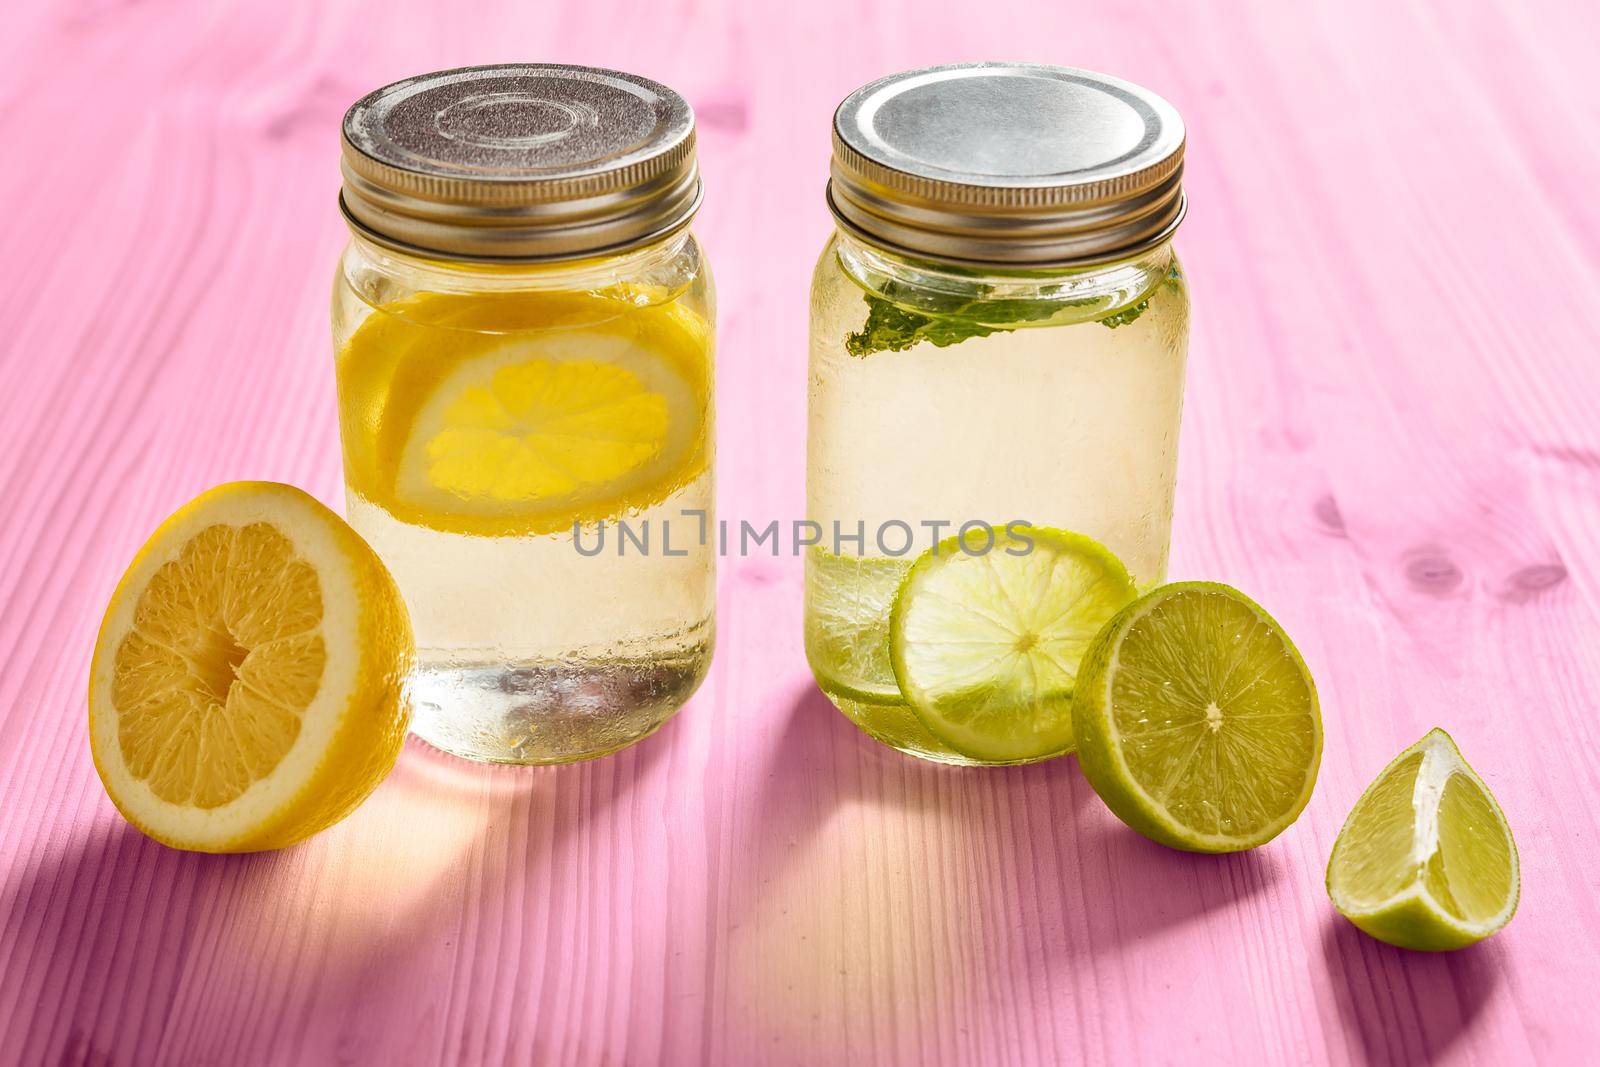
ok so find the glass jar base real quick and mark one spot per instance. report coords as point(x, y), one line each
point(893, 723)
point(546, 712)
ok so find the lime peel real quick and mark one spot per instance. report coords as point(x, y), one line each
point(985, 641)
point(847, 624)
point(1458, 852)
point(1264, 746)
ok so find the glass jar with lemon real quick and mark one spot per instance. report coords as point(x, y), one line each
point(524, 334)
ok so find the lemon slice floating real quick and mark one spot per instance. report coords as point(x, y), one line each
point(1426, 859)
point(576, 408)
point(985, 644)
point(547, 424)
point(246, 688)
point(1197, 720)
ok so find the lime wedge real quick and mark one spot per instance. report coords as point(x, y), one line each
point(1197, 720)
point(847, 624)
point(1426, 860)
point(985, 643)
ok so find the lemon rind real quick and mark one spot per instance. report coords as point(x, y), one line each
point(276, 805)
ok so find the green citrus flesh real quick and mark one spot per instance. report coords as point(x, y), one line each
point(848, 599)
point(1197, 720)
point(985, 638)
point(1426, 860)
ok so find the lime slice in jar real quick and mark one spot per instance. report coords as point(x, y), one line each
point(987, 631)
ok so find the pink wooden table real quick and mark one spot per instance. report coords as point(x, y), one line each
point(1392, 441)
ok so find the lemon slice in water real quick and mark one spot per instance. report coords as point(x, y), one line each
point(1197, 720)
point(575, 409)
point(569, 423)
point(246, 688)
point(1426, 860)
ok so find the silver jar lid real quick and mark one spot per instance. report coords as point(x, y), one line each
point(519, 162)
point(1010, 164)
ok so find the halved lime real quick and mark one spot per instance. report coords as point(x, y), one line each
point(1426, 860)
point(847, 624)
point(1197, 720)
point(987, 631)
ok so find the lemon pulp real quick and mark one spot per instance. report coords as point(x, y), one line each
point(212, 681)
point(246, 689)
point(518, 413)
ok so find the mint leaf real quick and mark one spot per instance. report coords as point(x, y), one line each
point(1126, 315)
point(893, 327)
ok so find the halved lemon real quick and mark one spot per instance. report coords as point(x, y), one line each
point(246, 689)
point(518, 413)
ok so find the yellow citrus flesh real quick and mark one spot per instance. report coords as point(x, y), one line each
point(523, 412)
point(246, 689)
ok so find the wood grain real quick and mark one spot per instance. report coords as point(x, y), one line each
point(1392, 441)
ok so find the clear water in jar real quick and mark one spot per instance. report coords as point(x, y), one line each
point(489, 440)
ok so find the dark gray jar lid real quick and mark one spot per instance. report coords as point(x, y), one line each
point(519, 162)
